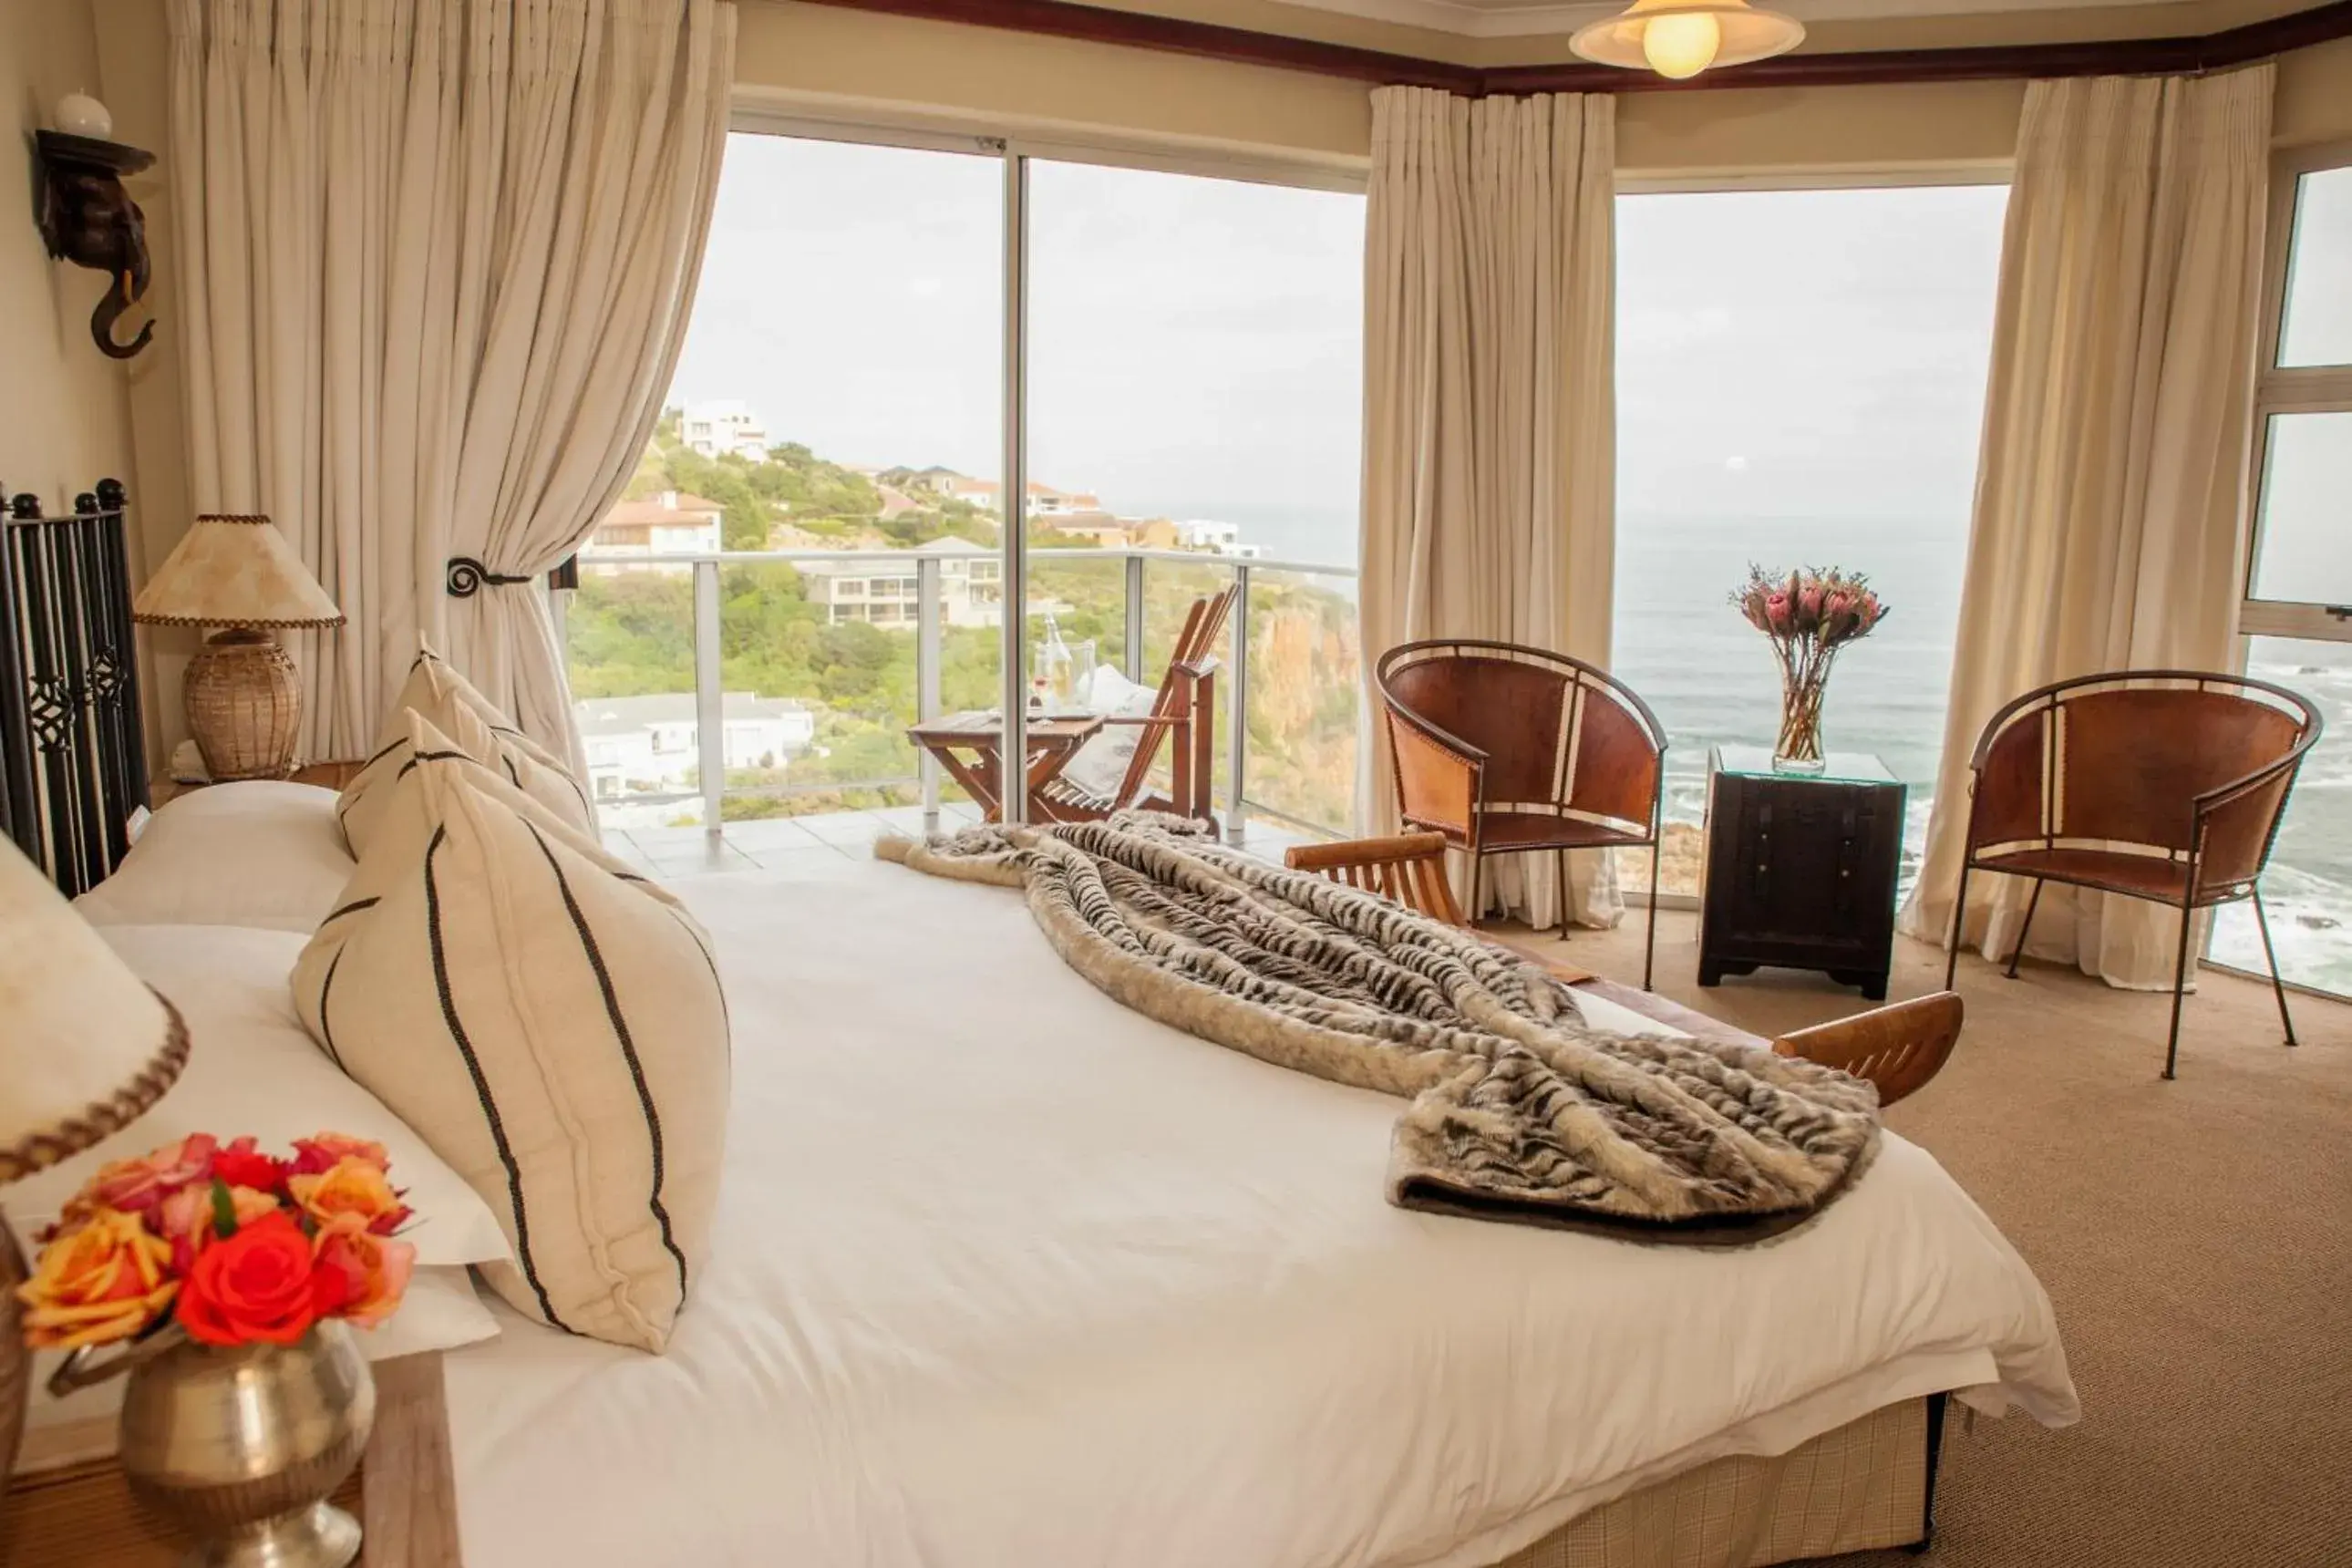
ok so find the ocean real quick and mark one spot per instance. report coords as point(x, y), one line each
point(1711, 680)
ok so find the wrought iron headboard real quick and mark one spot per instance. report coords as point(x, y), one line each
point(73, 759)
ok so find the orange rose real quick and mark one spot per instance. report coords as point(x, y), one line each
point(376, 1271)
point(93, 1286)
point(327, 1150)
point(352, 1185)
point(186, 1219)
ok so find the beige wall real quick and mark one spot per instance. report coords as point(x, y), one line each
point(64, 424)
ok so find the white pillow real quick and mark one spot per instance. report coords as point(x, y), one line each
point(435, 692)
point(1100, 765)
point(251, 1069)
point(256, 853)
point(455, 722)
point(553, 1023)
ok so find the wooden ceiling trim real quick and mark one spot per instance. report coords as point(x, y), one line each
point(1240, 46)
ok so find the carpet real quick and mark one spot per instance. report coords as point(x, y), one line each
point(2196, 1237)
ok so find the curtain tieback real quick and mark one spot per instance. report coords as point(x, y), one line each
point(467, 578)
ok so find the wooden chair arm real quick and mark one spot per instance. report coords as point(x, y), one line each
point(1899, 1048)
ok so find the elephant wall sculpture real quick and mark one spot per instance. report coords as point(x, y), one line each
point(88, 219)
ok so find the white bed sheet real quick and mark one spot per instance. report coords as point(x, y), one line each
point(1006, 1275)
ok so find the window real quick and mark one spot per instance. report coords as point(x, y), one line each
point(1800, 380)
point(2297, 610)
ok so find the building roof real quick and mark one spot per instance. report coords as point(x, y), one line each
point(651, 510)
point(627, 715)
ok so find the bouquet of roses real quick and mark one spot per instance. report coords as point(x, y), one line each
point(235, 1245)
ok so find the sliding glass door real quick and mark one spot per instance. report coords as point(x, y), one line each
point(924, 383)
point(1194, 419)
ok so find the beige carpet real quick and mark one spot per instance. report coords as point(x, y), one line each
point(2196, 1237)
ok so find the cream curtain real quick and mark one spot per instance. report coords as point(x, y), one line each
point(2111, 487)
point(438, 259)
point(1489, 408)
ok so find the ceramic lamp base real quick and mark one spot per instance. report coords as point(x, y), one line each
point(244, 701)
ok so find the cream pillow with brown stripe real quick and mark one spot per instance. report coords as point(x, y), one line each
point(460, 727)
point(551, 1024)
point(438, 692)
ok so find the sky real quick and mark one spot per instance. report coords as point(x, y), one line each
point(1196, 343)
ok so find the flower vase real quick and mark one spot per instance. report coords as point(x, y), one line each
point(1799, 749)
point(242, 1446)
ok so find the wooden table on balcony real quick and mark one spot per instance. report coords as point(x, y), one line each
point(969, 745)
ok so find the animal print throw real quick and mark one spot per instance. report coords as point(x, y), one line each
point(1519, 1109)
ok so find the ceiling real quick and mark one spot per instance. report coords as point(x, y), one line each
point(1515, 18)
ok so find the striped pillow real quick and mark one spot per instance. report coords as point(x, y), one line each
point(436, 690)
point(365, 800)
point(549, 1024)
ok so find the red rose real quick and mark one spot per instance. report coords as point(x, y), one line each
point(259, 1286)
point(241, 1165)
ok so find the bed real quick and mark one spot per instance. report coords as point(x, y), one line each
point(1006, 1274)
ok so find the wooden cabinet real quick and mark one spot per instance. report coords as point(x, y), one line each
point(1800, 869)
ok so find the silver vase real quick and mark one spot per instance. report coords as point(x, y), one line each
point(242, 1447)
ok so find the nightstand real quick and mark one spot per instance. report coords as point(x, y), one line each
point(328, 775)
point(1800, 868)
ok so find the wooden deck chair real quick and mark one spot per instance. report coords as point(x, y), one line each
point(1184, 712)
point(1898, 1047)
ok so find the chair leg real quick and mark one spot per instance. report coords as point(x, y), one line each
point(2031, 904)
point(2179, 982)
point(1560, 869)
point(1959, 924)
point(2278, 986)
point(1650, 942)
point(1477, 904)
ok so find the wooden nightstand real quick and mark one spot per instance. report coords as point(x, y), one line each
point(328, 775)
point(83, 1515)
point(1800, 868)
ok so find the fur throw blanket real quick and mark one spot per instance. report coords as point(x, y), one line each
point(1519, 1110)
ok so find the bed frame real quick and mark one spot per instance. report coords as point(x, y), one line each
point(75, 769)
point(73, 757)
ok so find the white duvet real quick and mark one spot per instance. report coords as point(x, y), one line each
point(1006, 1275)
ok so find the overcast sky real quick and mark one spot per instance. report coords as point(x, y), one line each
point(1196, 343)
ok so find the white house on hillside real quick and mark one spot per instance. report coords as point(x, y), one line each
point(727, 426)
point(882, 592)
point(652, 744)
point(674, 523)
point(1224, 538)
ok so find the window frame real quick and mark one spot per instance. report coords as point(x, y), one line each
point(2282, 390)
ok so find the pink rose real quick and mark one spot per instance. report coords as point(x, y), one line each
point(140, 1186)
point(185, 1219)
point(325, 1151)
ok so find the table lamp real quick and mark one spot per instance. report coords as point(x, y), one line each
point(86, 1049)
point(235, 570)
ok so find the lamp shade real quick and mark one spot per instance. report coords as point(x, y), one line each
point(86, 1048)
point(1680, 38)
point(235, 569)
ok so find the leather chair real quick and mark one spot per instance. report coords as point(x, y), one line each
point(2163, 784)
point(1508, 751)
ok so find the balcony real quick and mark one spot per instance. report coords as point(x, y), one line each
point(748, 710)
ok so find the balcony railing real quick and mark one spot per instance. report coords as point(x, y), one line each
point(1289, 714)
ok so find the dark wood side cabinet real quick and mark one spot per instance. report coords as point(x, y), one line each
point(1800, 868)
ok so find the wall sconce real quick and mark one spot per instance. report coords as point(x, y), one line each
point(88, 219)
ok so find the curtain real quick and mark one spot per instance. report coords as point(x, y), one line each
point(1489, 412)
point(436, 261)
point(2111, 486)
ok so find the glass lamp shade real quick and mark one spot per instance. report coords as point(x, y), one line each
point(86, 1047)
point(1680, 38)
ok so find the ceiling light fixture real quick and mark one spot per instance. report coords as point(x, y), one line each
point(1680, 38)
